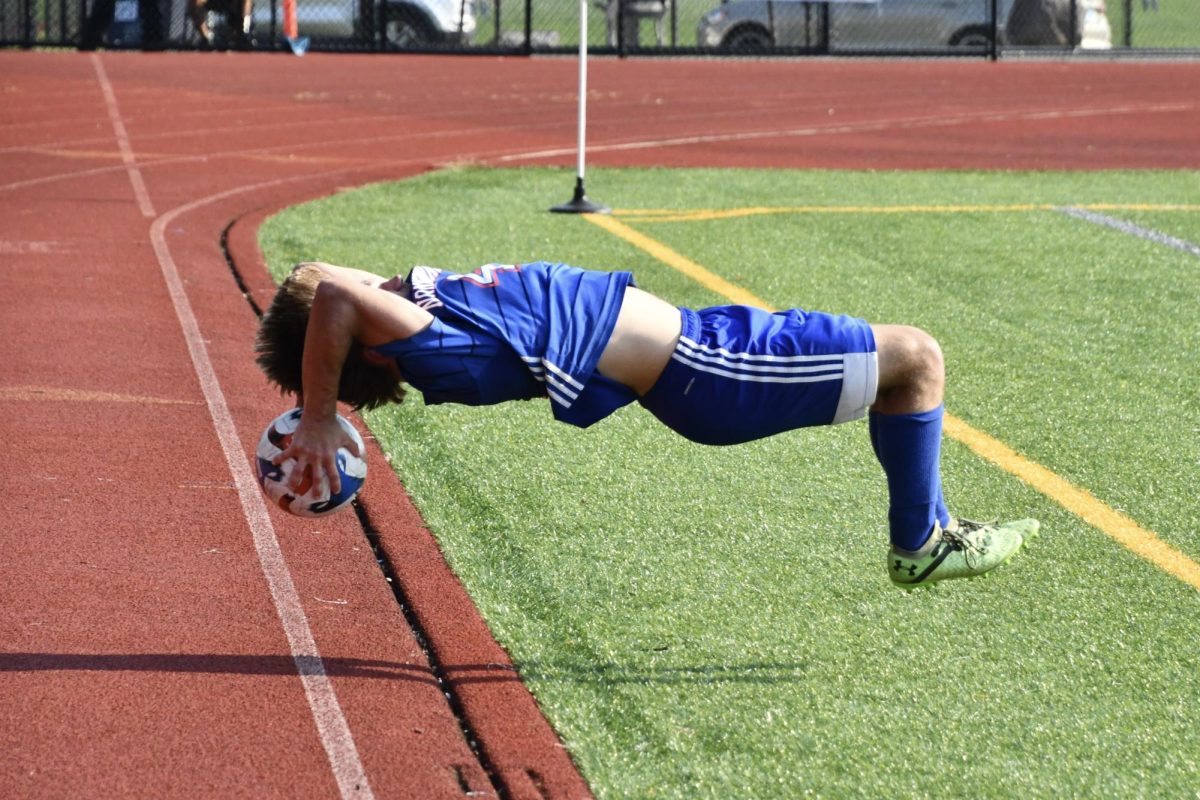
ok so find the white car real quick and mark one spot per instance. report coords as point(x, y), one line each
point(406, 23)
point(759, 26)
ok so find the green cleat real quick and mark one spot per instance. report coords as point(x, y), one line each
point(964, 550)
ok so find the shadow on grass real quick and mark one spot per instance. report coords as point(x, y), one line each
point(613, 674)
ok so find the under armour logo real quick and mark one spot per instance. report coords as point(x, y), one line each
point(912, 568)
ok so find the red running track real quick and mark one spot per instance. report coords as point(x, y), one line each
point(164, 633)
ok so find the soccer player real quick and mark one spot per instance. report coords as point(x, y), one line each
point(592, 342)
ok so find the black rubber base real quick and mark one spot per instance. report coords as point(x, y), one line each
point(580, 204)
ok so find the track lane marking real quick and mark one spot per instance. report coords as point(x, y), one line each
point(272, 152)
point(41, 394)
point(332, 727)
point(1080, 502)
point(866, 126)
point(114, 116)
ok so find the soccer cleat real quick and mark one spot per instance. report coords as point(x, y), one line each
point(963, 550)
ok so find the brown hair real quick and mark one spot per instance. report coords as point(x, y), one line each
point(279, 347)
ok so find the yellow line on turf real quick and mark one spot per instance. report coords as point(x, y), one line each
point(708, 214)
point(1080, 502)
point(676, 261)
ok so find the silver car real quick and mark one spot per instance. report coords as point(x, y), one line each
point(406, 23)
point(757, 26)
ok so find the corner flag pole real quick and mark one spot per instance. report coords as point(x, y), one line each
point(580, 204)
point(291, 33)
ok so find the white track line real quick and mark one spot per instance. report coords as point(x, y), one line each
point(1123, 226)
point(866, 126)
point(331, 724)
point(288, 149)
point(508, 155)
point(131, 167)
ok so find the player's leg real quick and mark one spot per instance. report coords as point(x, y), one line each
point(928, 545)
point(906, 431)
point(198, 12)
point(97, 24)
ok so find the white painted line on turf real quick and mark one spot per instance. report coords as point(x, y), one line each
point(1149, 234)
point(331, 723)
point(131, 167)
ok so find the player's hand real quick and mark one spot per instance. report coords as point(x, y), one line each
point(314, 447)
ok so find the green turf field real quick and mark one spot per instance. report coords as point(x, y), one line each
point(717, 622)
point(1174, 23)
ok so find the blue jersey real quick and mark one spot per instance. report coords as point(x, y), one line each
point(513, 332)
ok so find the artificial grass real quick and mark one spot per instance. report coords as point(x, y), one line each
point(717, 622)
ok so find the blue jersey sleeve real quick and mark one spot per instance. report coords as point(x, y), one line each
point(448, 363)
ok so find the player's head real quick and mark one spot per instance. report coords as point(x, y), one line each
point(280, 347)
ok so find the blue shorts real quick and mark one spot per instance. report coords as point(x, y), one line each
point(740, 373)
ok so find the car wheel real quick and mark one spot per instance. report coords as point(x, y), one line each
point(975, 38)
point(404, 28)
point(747, 39)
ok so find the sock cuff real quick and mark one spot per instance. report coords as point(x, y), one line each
point(932, 414)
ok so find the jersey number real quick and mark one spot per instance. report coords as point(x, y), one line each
point(486, 276)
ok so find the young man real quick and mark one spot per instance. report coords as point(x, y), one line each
point(237, 19)
point(592, 342)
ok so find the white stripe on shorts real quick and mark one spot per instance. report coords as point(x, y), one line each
point(562, 388)
point(830, 371)
point(858, 372)
point(744, 363)
point(693, 347)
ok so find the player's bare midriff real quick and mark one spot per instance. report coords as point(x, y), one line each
point(642, 341)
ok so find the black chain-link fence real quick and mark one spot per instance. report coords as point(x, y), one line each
point(661, 27)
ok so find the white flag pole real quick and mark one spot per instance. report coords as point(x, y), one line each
point(580, 204)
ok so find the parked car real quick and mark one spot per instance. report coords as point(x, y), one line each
point(755, 26)
point(406, 23)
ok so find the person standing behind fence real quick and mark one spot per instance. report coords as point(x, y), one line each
point(237, 20)
point(101, 19)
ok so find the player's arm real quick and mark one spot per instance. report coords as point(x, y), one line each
point(344, 310)
point(344, 274)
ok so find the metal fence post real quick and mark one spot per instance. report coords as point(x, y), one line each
point(995, 48)
point(528, 49)
point(621, 44)
point(380, 25)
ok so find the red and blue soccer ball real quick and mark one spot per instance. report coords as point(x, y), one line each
point(307, 501)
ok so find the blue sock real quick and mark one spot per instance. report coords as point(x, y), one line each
point(909, 448)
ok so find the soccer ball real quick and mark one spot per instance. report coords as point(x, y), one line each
point(308, 503)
